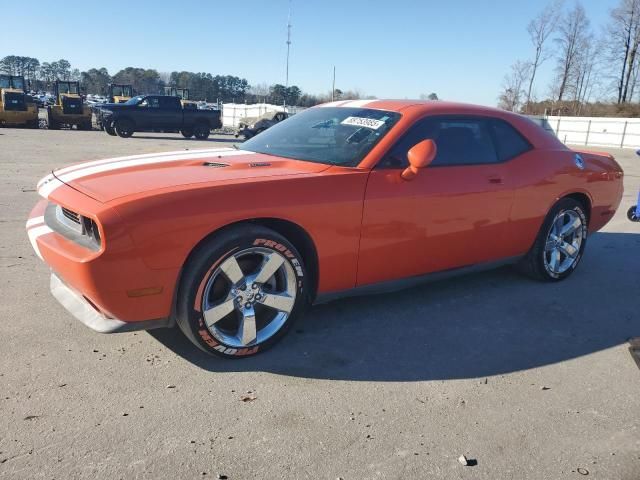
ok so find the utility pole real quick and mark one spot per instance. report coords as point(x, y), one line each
point(333, 86)
point(288, 49)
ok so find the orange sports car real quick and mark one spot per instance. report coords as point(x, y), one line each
point(348, 197)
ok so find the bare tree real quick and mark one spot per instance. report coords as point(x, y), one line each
point(513, 86)
point(573, 29)
point(540, 29)
point(623, 32)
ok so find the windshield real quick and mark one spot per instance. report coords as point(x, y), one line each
point(66, 87)
point(331, 135)
point(18, 83)
point(134, 100)
point(121, 91)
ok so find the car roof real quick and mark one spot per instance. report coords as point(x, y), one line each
point(426, 105)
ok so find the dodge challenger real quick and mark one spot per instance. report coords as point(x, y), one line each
point(349, 197)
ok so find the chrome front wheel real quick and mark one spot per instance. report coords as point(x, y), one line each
point(241, 291)
point(249, 297)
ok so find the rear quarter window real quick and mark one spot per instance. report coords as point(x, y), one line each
point(509, 142)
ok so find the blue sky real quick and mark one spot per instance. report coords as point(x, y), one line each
point(459, 49)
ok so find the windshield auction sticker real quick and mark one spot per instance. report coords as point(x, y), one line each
point(363, 122)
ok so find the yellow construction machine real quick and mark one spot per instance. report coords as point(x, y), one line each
point(119, 92)
point(183, 93)
point(69, 109)
point(17, 109)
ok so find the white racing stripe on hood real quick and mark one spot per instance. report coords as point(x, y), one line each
point(71, 168)
point(46, 188)
point(48, 184)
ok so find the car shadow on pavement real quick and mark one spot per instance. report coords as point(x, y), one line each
point(468, 327)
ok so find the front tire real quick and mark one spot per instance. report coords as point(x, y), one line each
point(241, 291)
point(632, 214)
point(124, 128)
point(110, 130)
point(560, 243)
point(186, 133)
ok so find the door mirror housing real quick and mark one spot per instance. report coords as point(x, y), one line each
point(420, 156)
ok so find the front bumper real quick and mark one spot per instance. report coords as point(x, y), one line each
point(83, 310)
point(115, 282)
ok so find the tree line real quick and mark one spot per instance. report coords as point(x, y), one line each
point(594, 73)
point(202, 86)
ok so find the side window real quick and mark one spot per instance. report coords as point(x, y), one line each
point(460, 141)
point(509, 142)
point(464, 142)
point(153, 102)
point(169, 103)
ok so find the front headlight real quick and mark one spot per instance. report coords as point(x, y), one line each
point(77, 228)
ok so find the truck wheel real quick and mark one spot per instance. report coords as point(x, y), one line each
point(124, 128)
point(110, 130)
point(186, 133)
point(240, 292)
point(201, 131)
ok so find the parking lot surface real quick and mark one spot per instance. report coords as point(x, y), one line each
point(528, 380)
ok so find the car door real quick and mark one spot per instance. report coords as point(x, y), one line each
point(454, 213)
point(146, 112)
point(169, 114)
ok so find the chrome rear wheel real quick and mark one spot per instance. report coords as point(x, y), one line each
point(564, 242)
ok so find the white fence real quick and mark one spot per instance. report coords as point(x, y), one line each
point(233, 112)
point(597, 131)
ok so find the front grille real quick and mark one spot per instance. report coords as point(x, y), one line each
point(71, 105)
point(73, 216)
point(14, 102)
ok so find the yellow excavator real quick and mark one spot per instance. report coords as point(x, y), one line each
point(119, 92)
point(17, 109)
point(183, 93)
point(69, 108)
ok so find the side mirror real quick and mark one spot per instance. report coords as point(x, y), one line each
point(420, 156)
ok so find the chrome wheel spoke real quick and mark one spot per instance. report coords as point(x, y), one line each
point(568, 249)
point(230, 312)
point(271, 265)
point(554, 264)
point(217, 313)
point(232, 270)
point(247, 330)
point(550, 245)
point(278, 301)
point(571, 227)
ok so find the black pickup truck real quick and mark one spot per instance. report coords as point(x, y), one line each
point(156, 113)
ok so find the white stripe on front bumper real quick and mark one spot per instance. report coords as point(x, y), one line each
point(36, 232)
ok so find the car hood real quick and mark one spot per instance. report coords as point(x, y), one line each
point(107, 180)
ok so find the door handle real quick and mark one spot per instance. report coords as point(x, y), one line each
point(496, 180)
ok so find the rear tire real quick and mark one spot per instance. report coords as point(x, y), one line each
point(560, 243)
point(186, 133)
point(223, 278)
point(124, 128)
point(201, 131)
point(631, 214)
